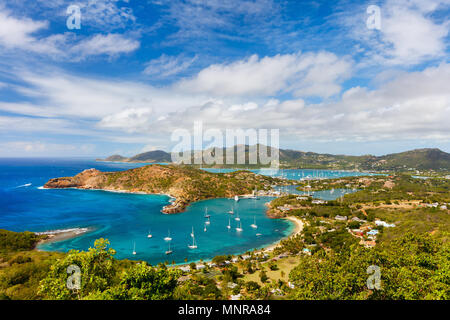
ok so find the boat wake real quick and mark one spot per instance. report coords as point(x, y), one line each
point(23, 185)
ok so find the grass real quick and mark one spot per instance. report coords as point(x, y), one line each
point(284, 265)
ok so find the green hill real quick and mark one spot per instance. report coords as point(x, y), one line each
point(419, 159)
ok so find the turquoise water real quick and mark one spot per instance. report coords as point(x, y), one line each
point(322, 194)
point(125, 219)
point(298, 174)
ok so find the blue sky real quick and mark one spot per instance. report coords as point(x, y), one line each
point(136, 71)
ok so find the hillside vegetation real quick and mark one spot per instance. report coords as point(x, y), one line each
point(184, 183)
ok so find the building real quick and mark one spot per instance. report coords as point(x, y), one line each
point(340, 218)
point(319, 202)
point(185, 268)
point(384, 224)
point(372, 232)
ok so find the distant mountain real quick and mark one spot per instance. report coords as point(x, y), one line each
point(114, 157)
point(419, 159)
point(151, 157)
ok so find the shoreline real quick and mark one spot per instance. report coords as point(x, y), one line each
point(60, 235)
point(298, 228)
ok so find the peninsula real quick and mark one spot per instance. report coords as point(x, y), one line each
point(185, 184)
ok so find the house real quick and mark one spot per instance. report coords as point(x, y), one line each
point(231, 285)
point(306, 251)
point(200, 266)
point(302, 198)
point(368, 244)
point(212, 264)
point(291, 285)
point(384, 224)
point(185, 268)
point(372, 232)
point(319, 202)
point(358, 220)
point(246, 257)
point(235, 259)
point(432, 205)
point(340, 218)
point(235, 297)
point(443, 207)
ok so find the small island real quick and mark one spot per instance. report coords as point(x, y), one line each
point(185, 184)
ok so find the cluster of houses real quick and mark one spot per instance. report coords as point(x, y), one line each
point(443, 206)
point(367, 234)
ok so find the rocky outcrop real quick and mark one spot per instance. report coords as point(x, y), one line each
point(88, 179)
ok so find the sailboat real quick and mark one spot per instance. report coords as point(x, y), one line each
point(231, 211)
point(237, 217)
point(236, 198)
point(193, 246)
point(253, 225)
point(206, 213)
point(229, 224)
point(207, 221)
point(239, 229)
point(169, 251)
point(149, 234)
point(204, 229)
point(168, 238)
point(134, 248)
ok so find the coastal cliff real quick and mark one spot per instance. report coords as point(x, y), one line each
point(185, 184)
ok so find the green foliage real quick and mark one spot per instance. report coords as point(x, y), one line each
point(412, 267)
point(17, 241)
point(97, 267)
point(142, 282)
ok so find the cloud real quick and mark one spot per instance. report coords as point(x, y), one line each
point(309, 74)
point(409, 34)
point(109, 44)
point(23, 34)
point(412, 106)
point(131, 120)
point(166, 66)
point(25, 148)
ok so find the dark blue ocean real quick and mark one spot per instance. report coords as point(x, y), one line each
point(126, 219)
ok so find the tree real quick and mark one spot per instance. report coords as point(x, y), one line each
point(97, 268)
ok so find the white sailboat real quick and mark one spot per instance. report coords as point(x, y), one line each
point(149, 234)
point(169, 251)
point(236, 198)
point(239, 229)
point(168, 238)
point(134, 248)
point(231, 211)
point(206, 213)
point(204, 229)
point(237, 217)
point(208, 221)
point(229, 224)
point(253, 225)
point(193, 246)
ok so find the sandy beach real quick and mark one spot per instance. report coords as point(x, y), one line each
point(62, 234)
point(297, 230)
